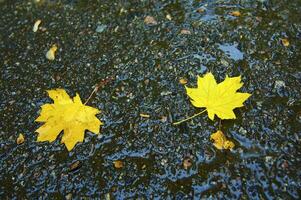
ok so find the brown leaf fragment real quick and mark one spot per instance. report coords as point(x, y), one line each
point(183, 81)
point(146, 81)
point(50, 55)
point(200, 10)
point(285, 42)
point(149, 20)
point(74, 166)
point(185, 32)
point(20, 139)
point(118, 164)
point(235, 13)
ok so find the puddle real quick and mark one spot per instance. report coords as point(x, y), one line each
point(232, 51)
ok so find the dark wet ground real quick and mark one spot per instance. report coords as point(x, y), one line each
point(109, 40)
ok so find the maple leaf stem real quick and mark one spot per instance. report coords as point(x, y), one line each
point(101, 83)
point(189, 118)
point(93, 92)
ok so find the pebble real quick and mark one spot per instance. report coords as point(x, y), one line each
point(185, 32)
point(279, 84)
point(149, 20)
point(242, 131)
point(101, 28)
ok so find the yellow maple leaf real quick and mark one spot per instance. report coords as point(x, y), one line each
point(220, 141)
point(219, 99)
point(68, 115)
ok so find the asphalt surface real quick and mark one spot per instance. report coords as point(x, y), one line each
point(138, 66)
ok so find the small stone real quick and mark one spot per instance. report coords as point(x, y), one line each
point(149, 20)
point(68, 196)
point(11, 102)
point(224, 62)
point(163, 162)
point(185, 32)
point(118, 164)
point(268, 159)
point(122, 10)
point(279, 84)
point(163, 119)
point(165, 93)
point(285, 164)
point(242, 131)
point(146, 81)
point(187, 163)
point(101, 28)
point(108, 196)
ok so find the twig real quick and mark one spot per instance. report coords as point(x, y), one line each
point(92, 93)
point(101, 83)
point(184, 120)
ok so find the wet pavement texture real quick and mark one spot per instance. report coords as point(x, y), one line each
point(141, 65)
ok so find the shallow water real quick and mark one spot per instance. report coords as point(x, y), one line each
point(143, 65)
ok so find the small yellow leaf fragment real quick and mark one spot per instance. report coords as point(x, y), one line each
point(149, 20)
point(20, 139)
point(285, 42)
point(220, 141)
point(50, 55)
point(235, 13)
point(118, 164)
point(229, 145)
point(144, 115)
point(168, 16)
point(36, 25)
point(183, 81)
